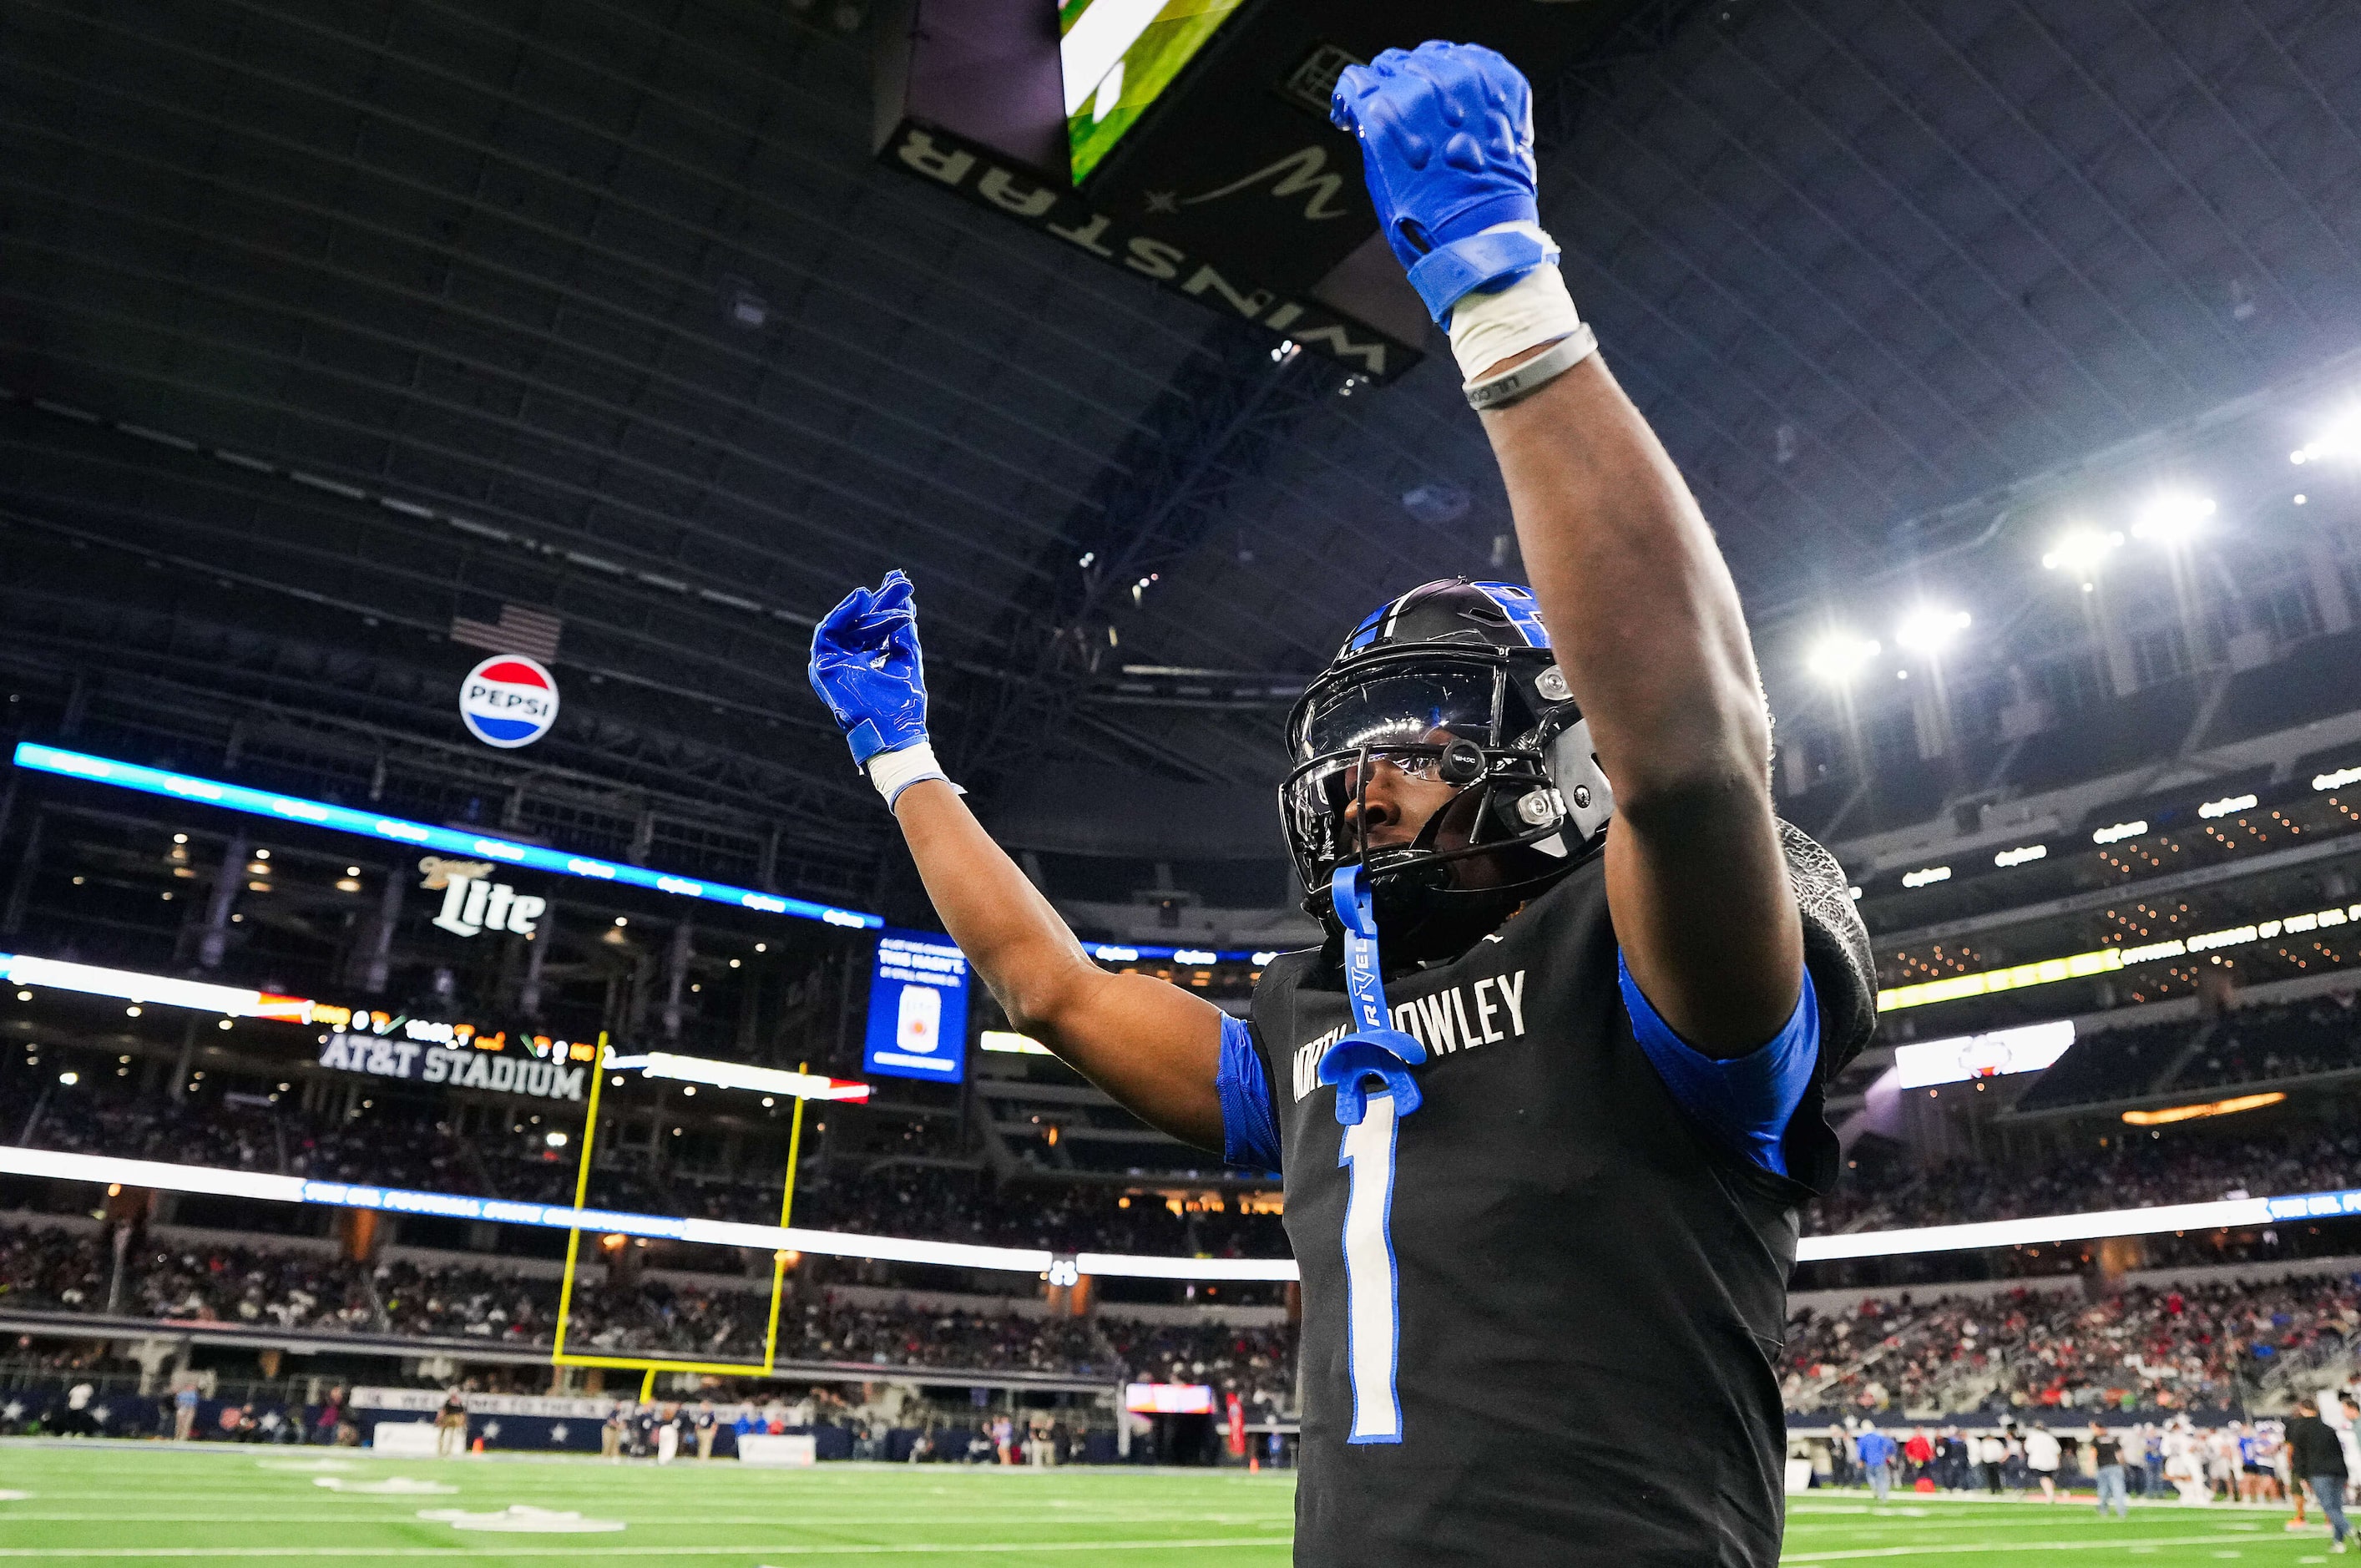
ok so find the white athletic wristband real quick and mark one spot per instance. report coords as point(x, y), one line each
point(1531, 376)
point(894, 772)
point(1488, 328)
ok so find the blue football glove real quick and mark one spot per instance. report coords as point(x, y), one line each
point(866, 666)
point(1446, 137)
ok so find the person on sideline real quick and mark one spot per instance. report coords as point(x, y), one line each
point(2042, 1455)
point(1876, 1451)
point(611, 1432)
point(2107, 1470)
point(2348, 1407)
point(2318, 1460)
point(450, 1425)
point(1993, 1453)
point(668, 1434)
point(1918, 1455)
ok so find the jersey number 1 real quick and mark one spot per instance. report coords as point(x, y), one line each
point(1372, 1298)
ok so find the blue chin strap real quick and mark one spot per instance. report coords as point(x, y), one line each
point(1375, 1048)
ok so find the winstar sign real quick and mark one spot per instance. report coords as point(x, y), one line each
point(509, 701)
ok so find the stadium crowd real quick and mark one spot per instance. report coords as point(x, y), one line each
point(45, 1270)
point(2260, 1044)
point(2168, 1349)
point(943, 1198)
point(2160, 1349)
point(2129, 1172)
point(389, 1148)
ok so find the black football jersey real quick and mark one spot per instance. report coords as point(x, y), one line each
point(1541, 1313)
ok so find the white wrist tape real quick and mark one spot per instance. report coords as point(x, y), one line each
point(1488, 328)
point(894, 772)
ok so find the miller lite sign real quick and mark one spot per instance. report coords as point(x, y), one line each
point(474, 903)
point(508, 701)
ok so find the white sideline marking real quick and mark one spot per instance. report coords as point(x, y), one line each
point(1954, 1549)
point(306, 1465)
point(524, 1518)
point(916, 1549)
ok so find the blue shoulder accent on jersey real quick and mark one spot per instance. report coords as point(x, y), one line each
point(1524, 611)
point(1746, 1101)
point(1249, 1125)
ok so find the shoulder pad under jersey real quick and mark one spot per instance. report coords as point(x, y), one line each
point(1836, 945)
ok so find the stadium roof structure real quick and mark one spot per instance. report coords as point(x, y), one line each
point(335, 342)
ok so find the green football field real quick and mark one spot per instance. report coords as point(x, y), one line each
point(150, 1503)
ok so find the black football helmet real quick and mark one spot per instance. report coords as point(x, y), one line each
point(1454, 681)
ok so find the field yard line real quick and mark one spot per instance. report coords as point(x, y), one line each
point(2112, 1544)
point(1936, 1523)
point(405, 1512)
point(342, 1504)
point(465, 1549)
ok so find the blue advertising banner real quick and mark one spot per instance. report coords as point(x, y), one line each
point(917, 1008)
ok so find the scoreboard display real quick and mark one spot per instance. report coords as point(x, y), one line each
point(1116, 58)
point(1187, 142)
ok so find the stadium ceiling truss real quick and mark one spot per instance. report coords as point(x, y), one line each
point(320, 332)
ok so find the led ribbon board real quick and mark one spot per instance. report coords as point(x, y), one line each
point(398, 830)
point(101, 1169)
point(2059, 1228)
point(737, 1075)
point(60, 1166)
point(1194, 958)
point(2106, 961)
point(90, 980)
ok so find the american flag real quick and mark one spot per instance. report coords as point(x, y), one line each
point(519, 630)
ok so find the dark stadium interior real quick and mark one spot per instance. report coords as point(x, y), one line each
point(343, 347)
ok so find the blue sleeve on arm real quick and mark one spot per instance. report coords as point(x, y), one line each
point(1250, 1125)
point(1745, 1101)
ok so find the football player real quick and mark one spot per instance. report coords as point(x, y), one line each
point(1547, 1100)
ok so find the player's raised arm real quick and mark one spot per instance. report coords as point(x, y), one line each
point(1153, 1046)
point(1640, 606)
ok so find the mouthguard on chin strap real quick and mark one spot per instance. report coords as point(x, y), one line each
point(1373, 1049)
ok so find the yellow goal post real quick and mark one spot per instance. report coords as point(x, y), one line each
point(652, 1364)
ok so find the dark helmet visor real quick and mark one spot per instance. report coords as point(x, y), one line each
point(1405, 708)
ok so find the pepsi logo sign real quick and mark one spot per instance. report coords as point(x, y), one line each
point(508, 701)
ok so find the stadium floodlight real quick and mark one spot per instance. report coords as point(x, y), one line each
point(1840, 656)
point(2172, 516)
point(1930, 629)
point(2340, 439)
point(1927, 877)
point(2336, 779)
point(2081, 551)
point(2117, 832)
